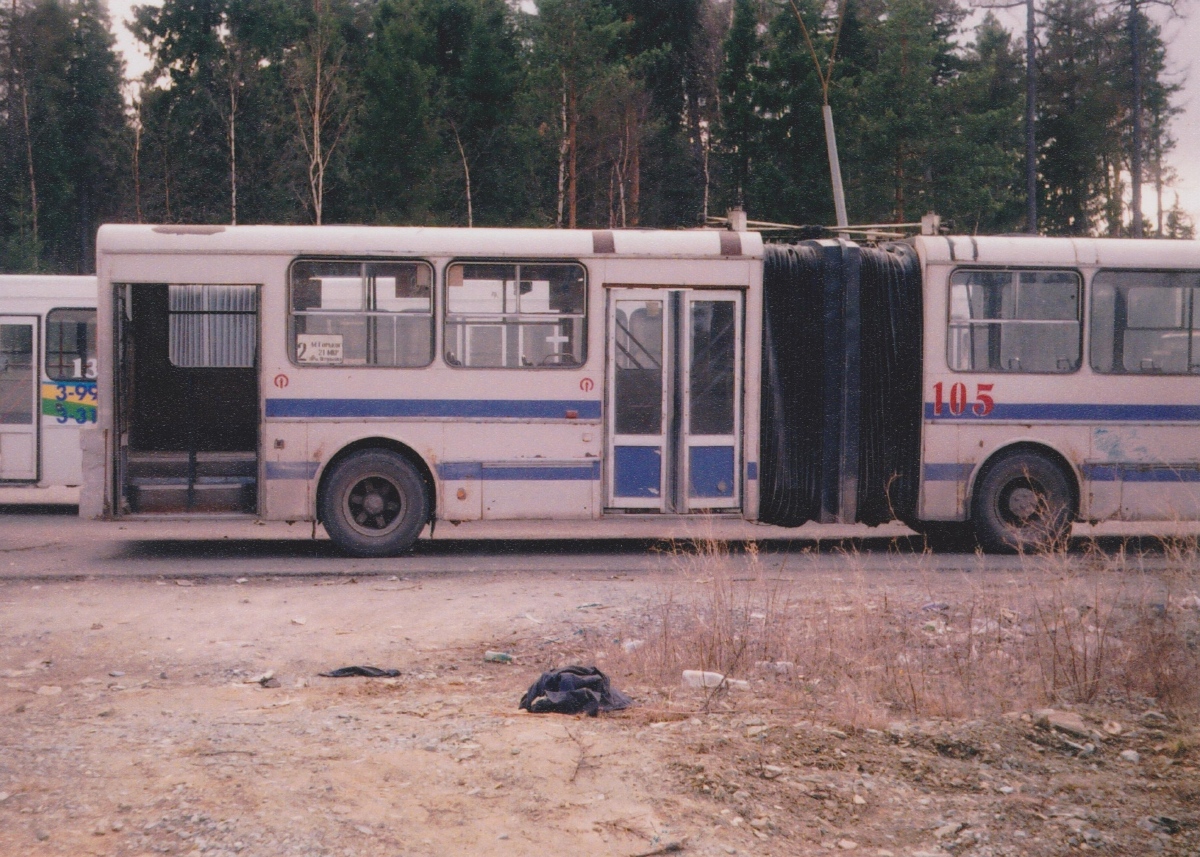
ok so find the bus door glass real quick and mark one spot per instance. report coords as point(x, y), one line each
point(674, 388)
point(18, 398)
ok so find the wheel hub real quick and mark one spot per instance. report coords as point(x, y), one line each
point(1023, 503)
point(373, 504)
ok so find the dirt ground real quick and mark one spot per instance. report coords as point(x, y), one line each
point(185, 716)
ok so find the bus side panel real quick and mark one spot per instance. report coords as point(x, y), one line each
point(943, 492)
point(751, 394)
point(288, 472)
point(943, 476)
point(1152, 471)
point(527, 470)
point(61, 457)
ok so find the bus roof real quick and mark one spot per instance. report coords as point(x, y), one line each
point(47, 287)
point(1057, 252)
point(425, 241)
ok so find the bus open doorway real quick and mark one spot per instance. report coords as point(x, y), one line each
point(187, 398)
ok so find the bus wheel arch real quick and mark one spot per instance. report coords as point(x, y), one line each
point(1023, 499)
point(375, 496)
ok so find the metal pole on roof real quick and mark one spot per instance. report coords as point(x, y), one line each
point(835, 168)
point(826, 75)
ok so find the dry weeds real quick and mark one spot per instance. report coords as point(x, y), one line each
point(1078, 627)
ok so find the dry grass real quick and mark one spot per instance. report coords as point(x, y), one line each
point(1080, 627)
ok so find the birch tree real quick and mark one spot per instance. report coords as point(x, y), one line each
point(322, 101)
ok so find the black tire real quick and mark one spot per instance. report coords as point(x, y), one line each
point(1023, 504)
point(374, 504)
point(946, 536)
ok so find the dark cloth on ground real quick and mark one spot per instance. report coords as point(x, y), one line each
point(574, 690)
point(369, 672)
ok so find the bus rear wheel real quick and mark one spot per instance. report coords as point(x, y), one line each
point(374, 504)
point(1023, 504)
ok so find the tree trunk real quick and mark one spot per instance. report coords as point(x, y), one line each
point(18, 80)
point(466, 175)
point(1135, 160)
point(562, 156)
point(572, 156)
point(1158, 182)
point(1031, 187)
point(233, 108)
point(316, 168)
point(137, 161)
point(635, 166)
point(33, 199)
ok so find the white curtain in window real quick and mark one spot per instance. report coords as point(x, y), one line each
point(212, 326)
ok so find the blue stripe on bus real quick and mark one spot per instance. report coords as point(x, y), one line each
point(1128, 472)
point(291, 469)
point(1142, 472)
point(944, 472)
point(555, 409)
point(1092, 413)
point(512, 472)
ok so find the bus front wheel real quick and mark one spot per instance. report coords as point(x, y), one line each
point(1023, 504)
point(374, 504)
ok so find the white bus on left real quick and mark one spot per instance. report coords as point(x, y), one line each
point(47, 377)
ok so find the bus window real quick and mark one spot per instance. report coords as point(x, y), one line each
point(515, 316)
point(1014, 321)
point(1146, 322)
point(362, 313)
point(212, 326)
point(71, 344)
point(17, 373)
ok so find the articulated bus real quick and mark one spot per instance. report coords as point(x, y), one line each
point(47, 378)
point(380, 379)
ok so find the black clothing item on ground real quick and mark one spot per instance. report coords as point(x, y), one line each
point(571, 690)
point(369, 672)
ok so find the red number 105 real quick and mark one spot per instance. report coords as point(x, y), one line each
point(981, 407)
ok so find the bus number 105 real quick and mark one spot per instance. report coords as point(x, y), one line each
point(957, 404)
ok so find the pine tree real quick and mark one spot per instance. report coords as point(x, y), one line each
point(977, 159)
point(64, 170)
point(1079, 126)
point(738, 129)
point(790, 179)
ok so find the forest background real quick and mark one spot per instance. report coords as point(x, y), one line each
point(570, 113)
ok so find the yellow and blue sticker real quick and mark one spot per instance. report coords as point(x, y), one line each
point(70, 401)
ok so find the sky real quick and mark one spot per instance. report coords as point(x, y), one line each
point(1179, 32)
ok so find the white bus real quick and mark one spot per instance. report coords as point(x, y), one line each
point(47, 377)
point(381, 379)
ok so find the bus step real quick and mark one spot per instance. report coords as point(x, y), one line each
point(163, 495)
point(175, 465)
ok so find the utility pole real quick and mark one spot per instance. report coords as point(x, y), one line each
point(1135, 156)
point(1031, 186)
point(825, 75)
point(1031, 182)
